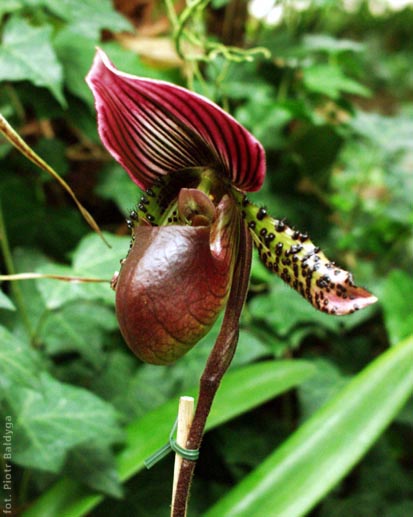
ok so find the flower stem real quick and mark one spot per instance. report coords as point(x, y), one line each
point(217, 364)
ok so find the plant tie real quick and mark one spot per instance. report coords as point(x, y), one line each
point(172, 445)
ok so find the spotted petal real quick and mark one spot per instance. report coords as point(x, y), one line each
point(293, 256)
point(153, 128)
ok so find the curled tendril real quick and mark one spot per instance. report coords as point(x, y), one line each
point(210, 50)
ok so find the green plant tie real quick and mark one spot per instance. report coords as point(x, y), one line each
point(172, 445)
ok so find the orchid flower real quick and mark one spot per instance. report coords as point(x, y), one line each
point(195, 163)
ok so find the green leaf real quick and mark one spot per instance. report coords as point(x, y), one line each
point(331, 45)
point(284, 310)
point(396, 302)
point(76, 51)
point(91, 259)
point(329, 80)
point(78, 327)
point(315, 392)
point(298, 474)
point(54, 419)
point(388, 134)
point(96, 468)
point(9, 6)
point(26, 54)
point(286, 313)
point(27, 260)
point(118, 384)
point(19, 363)
point(115, 185)
point(240, 391)
point(134, 65)
point(218, 4)
point(6, 303)
point(53, 151)
point(21, 209)
point(89, 18)
point(56, 293)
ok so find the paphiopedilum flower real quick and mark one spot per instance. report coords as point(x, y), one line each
point(195, 163)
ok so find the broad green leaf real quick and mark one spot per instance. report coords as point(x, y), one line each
point(134, 389)
point(53, 151)
point(311, 462)
point(6, 303)
point(57, 229)
point(329, 80)
point(9, 6)
point(119, 383)
point(285, 312)
point(96, 468)
point(28, 259)
point(56, 293)
point(241, 390)
point(266, 118)
point(19, 363)
point(55, 418)
point(397, 305)
point(387, 134)
point(115, 185)
point(75, 52)
point(259, 273)
point(89, 18)
point(26, 54)
point(81, 327)
point(134, 65)
point(14, 138)
point(95, 259)
point(91, 259)
point(22, 209)
point(315, 392)
point(218, 4)
point(331, 45)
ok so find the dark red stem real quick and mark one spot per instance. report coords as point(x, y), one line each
point(217, 364)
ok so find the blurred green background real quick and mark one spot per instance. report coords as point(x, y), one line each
point(327, 86)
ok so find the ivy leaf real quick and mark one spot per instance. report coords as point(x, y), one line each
point(27, 260)
point(398, 315)
point(92, 258)
point(76, 52)
point(115, 185)
point(9, 6)
point(292, 315)
point(329, 80)
point(26, 54)
point(89, 18)
point(19, 363)
point(240, 391)
point(6, 303)
point(78, 327)
point(96, 468)
point(54, 419)
point(56, 293)
point(330, 45)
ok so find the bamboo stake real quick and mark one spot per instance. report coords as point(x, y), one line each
point(185, 416)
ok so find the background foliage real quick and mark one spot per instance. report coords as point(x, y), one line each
point(327, 89)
